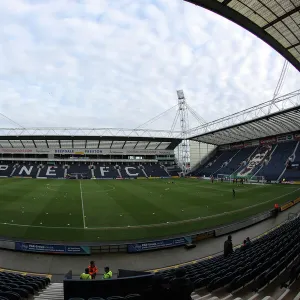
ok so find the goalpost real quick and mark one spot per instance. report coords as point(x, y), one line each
point(257, 179)
point(247, 179)
point(224, 177)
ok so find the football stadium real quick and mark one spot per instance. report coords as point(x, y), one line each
point(200, 212)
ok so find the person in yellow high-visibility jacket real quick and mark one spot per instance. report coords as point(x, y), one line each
point(86, 275)
point(107, 273)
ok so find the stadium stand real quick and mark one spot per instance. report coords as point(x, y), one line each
point(292, 171)
point(82, 170)
point(256, 161)
point(276, 165)
point(269, 266)
point(216, 163)
point(267, 161)
point(235, 163)
point(250, 269)
point(14, 286)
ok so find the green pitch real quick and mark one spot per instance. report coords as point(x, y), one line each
point(115, 210)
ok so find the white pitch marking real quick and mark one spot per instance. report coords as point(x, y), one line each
point(152, 225)
point(82, 206)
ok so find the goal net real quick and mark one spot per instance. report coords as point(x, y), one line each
point(257, 179)
point(246, 179)
point(224, 177)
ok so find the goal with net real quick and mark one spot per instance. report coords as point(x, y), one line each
point(257, 179)
point(224, 177)
point(247, 179)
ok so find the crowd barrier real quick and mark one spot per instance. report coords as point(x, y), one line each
point(243, 224)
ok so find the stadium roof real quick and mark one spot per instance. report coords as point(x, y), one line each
point(277, 22)
point(88, 142)
point(253, 123)
point(274, 124)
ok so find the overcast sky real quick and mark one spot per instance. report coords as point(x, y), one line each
point(118, 63)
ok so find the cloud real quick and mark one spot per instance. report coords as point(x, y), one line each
point(102, 63)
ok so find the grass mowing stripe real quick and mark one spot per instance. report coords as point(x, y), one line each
point(59, 207)
point(82, 206)
point(160, 224)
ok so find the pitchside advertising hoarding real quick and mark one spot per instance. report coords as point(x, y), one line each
point(52, 249)
point(84, 151)
point(140, 247)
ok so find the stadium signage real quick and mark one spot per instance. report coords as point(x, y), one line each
point(251, 143)
point(237, 146)
point(225, 147)
point(85, 151)
point(52, 249)
point(271, 140)
point(285, 138)
point(205, 235)
point(287, 205)
point(17, 150)
point(140, 247)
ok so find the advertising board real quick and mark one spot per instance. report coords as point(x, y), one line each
point(85, 151)
point(297, 136)
point(140, 247)
point(224, 147)
point(204, 235)
point(249, 144)
point(271, 140)
point(289, 204)
point(237, 146)
point(297, 200)
point(286, 206)
point(285, 138)
point(52, 249)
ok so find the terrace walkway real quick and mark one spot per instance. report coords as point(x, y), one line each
point(58, 265)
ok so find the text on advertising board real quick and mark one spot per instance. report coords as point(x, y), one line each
point(59, 249)
point(140, 247)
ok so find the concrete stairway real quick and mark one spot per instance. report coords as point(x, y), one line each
point(55, 291)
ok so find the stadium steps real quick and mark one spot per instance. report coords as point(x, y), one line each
point(297, 296)
point(55, 291)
